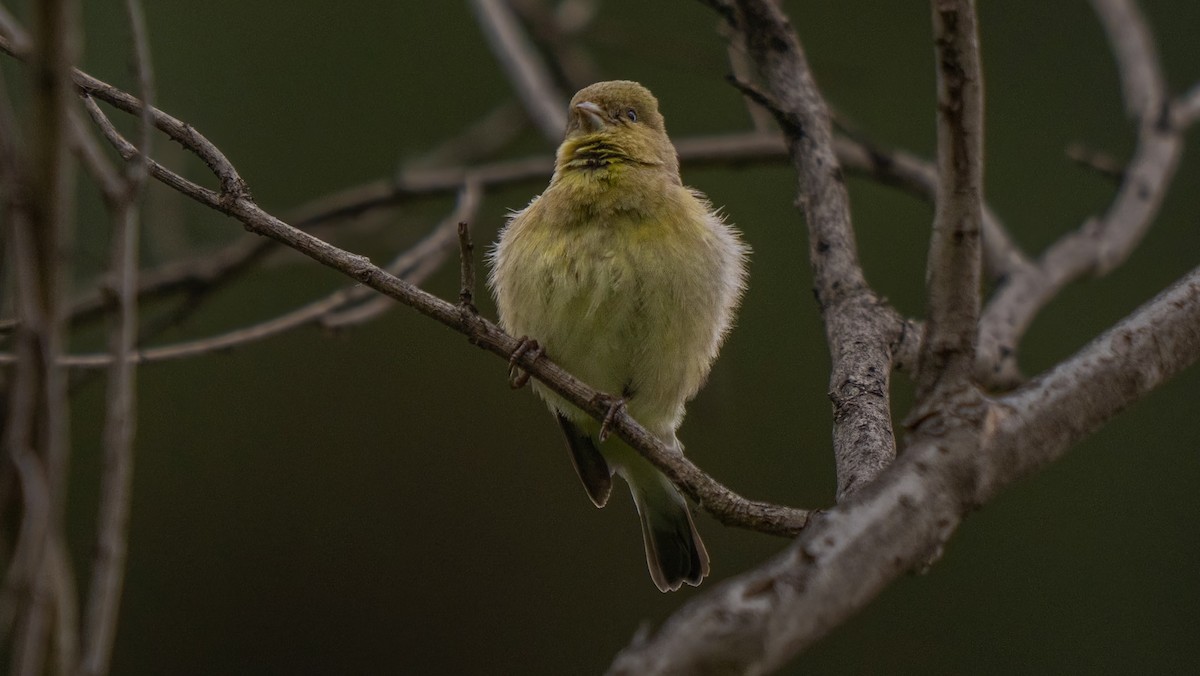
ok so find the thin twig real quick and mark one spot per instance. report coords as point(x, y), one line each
point(1098, 161)
point(742, 70)
point(722, 503)
point(413, 265)
point(480, 140)
point(1186, 110)
point(466, 258)
point(94, 160)
point(417, 263)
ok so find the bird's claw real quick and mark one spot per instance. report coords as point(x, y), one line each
point(517, 376)
point(614, 407)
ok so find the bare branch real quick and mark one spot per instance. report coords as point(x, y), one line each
point(723, 504)
point(466, 257)
point(413, 265)
point(756, 622)
point(953, 273)
point(1098, 161)
point(863, 440)
point(202, 275)
point(1037, 424)
point(482, 139)
point(416, 264)
point(524, 67)
point(558, 29)
point(742, 71)
point(1103, 243)
point(900, 169)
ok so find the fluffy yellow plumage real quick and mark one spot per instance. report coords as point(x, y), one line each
point(629, 280)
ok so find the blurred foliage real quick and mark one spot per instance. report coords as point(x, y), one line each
point(378, 501)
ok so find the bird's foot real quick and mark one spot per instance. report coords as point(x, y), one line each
point(615, 405)
point(516, 376)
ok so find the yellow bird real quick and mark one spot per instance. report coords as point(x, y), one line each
point(630, 281)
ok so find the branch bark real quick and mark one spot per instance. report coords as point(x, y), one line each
point(756, 622)
point(953, 271)
point(234, 200)
point(859, 326)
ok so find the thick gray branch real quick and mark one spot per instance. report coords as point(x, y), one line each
point(757, 621)
point(1036, 424)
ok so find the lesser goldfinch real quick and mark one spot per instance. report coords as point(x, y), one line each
point(630, 281)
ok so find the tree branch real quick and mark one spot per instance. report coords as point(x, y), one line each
point(524, 66)
point(38, 423)
point(234, 200)
point(859, 327)
point(953, 273)
point(1037, 424)
point(1186, 110)
point(756, 622)
point(1102, 243)
point(413, 265)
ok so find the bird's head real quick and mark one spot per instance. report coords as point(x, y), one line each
point(616, 122)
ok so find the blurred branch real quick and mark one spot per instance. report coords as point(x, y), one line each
point(37, 428)
point(1186, 110)
point(112, 537)
point(1101, 243)
point(903, 170)
point(413, 265)
point(1098, 161)
point(524, 66)
point(742, 70)
point(487, 135)
point(558, 29)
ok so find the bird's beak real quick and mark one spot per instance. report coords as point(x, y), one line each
point(591, 115)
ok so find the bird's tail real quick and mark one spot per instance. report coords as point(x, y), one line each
point(674, 552)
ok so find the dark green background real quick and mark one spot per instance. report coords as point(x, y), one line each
point(379, 501)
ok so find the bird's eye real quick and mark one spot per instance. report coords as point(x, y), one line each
point(631, 114)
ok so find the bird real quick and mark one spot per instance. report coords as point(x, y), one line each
point(630, 281)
